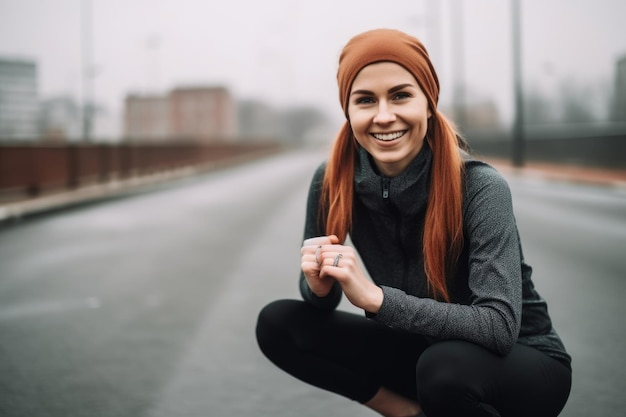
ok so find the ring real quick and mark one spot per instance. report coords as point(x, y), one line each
point(317, 255)
point(337, 258)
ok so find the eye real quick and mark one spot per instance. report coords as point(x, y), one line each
point(401, 95)
point(364, 100)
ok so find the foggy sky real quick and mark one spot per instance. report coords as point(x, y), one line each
point(285, 52)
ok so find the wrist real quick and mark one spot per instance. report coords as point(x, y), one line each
point(320, 292)
point(375, 300)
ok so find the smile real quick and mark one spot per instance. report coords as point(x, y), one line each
point(389, 136)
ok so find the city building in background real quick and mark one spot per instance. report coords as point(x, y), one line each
point(619, 102)
point(203, 113)
point(199, 114)
point(19, 105)
point(146, 118)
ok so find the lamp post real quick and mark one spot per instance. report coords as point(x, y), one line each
point(458, 34)
point(87, 70)
point(518, 122)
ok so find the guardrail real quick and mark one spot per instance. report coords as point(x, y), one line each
point(583, 148)
point(30, 170)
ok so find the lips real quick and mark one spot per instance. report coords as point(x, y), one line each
point(389, 136)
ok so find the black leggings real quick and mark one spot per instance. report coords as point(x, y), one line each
point(353, 356)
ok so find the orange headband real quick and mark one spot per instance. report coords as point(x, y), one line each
point(386, 45)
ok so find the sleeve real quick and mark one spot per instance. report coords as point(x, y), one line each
point(313, 227)
point(492, 318)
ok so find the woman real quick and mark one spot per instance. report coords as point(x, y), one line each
point(453, 325)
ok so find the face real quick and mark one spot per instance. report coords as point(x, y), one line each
point(389, 115)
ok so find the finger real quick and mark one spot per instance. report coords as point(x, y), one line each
point(337, 259)
point(318, 257)
point(310, 268)
point(319, 240)
point(310, 265)
point(333, 239)
point(309, 258)
point(316, 251)
point(332, 258)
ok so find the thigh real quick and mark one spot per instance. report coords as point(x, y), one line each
point(351, 340)
point(338, 334)
point(525, 382)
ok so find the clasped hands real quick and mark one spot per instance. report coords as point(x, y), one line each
point(325, 261)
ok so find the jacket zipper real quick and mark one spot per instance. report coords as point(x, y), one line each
point(386, 182)
point(397, 231)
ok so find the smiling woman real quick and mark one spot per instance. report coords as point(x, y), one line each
point(389, 119)
point(453, 324)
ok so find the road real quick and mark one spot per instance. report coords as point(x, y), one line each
point(145, 306)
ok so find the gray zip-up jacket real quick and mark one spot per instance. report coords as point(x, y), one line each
point(493, 299)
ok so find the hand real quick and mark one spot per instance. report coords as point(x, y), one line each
point(311, 264)
point(340, 263)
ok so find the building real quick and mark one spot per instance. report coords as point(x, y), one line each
point(201, 114)
point(18, 100)
point(146, 118)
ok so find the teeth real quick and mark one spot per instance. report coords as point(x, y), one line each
point(388, 136)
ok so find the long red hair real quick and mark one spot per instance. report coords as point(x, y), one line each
point(443, 226)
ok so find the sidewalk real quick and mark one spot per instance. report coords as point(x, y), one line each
point(16, 210)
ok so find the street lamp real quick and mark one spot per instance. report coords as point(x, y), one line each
point(87, 70)
point(518, 122)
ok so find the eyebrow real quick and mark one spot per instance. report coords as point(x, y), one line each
point(390, 91)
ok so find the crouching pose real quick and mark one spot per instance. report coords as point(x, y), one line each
point(452, 323)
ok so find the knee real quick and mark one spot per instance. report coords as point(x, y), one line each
point(272, 326)
point(269, 320)
point(444, 384)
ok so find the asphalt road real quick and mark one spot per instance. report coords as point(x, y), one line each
point(145, 306)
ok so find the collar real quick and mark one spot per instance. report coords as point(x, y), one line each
point(407, 192)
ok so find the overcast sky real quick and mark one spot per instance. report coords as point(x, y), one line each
point(285, 52)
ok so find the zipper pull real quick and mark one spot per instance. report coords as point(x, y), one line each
point(385, 188)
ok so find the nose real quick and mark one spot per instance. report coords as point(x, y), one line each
point(384, 115)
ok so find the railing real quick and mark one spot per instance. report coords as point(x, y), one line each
point(581, 148)
point(30, 170)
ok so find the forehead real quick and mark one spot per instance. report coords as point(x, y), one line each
point(382, 74)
